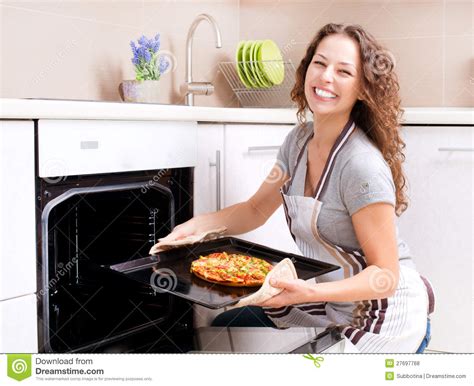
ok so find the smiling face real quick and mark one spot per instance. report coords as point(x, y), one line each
point(333, 78)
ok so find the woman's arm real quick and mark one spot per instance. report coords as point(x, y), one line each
point(375, 230)
point(242, 217)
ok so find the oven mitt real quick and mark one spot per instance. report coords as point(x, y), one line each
point(284, 270)
point(193, 239)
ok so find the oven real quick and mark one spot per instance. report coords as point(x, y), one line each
point(87, 223)
point(88, 220)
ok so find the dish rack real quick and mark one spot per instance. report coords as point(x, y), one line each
point(275, 96)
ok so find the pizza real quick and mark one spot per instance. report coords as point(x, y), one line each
point(231, 269)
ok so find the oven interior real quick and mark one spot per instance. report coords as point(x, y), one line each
point(85, 228)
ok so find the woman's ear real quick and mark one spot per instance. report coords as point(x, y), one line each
point(361, 92)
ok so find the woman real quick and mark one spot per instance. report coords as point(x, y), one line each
point(341, 186)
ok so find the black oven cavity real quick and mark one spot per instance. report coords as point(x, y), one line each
point(87, 223)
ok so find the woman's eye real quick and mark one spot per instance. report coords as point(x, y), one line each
point(322, 64)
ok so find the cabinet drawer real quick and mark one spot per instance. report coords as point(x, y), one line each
point(73, 147)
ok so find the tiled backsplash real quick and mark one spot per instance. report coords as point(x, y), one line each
point(80, 50)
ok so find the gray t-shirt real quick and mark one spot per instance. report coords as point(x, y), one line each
point(360, 176)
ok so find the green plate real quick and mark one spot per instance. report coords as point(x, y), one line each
point(253, 64)
point(239, 65)
point(259, 75)
point(246, 59)
point(270, 62)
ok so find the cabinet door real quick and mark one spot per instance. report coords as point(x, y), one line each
point(18, 325)
point(210, 139)
point(17, 209)
point(438, 226)
point(250, 153)
point(210, 147)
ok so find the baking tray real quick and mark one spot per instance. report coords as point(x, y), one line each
point(169, 271)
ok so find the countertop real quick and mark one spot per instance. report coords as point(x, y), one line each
point(76, 109)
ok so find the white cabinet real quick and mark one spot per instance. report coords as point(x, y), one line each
point(438, 226)
point(245, 154)
point(250, 153)
point(18, 325)
point(242, 154)
point(208, 173)
point(17, 209)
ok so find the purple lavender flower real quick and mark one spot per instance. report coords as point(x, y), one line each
point(164, 64)
point(155, 46)
point(145, 54)
point(143, 41)
point(135, 59)
point(145, 58)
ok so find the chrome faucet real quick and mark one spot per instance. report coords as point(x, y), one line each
point(201, 88)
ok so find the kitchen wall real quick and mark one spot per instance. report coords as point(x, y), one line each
point(80, 50)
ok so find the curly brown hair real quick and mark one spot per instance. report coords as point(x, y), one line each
point(379, 113)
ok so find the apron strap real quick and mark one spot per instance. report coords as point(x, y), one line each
point(431, 296)
point(285, 187)
point(340, 141)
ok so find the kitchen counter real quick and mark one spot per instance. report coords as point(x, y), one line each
point(75, 109)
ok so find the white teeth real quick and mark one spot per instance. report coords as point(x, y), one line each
point(323, 93)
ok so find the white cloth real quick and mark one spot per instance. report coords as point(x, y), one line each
point(192, 239)
point(284, 270)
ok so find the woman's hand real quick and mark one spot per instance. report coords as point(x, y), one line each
point(294, 292)
point(191, 227)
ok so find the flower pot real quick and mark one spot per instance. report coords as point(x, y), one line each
point(139, 91)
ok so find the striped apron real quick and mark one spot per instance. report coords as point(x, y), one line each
point(395, 324)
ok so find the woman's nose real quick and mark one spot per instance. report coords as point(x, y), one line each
point(328, 74)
